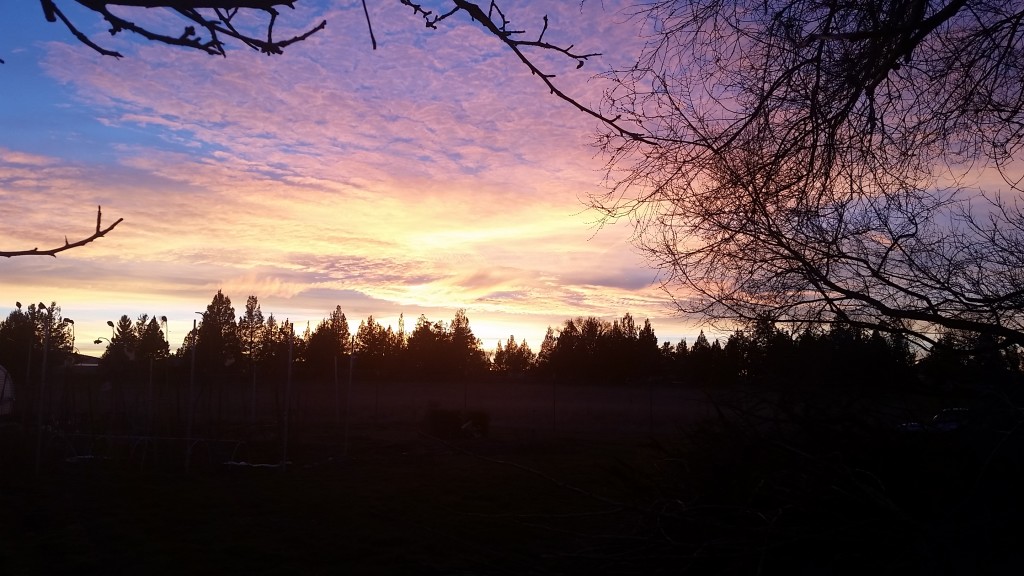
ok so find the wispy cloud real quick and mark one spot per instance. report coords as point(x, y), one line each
point(434, 172)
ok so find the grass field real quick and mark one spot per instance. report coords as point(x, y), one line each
point(401, 502)
point(598, 481)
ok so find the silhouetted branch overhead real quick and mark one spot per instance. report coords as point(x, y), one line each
point(99, 233)
point(215, 18)
point(495, 21)
point(212, 23)
point(821, 162)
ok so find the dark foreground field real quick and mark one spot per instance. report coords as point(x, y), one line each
point(400, 503)
point(761, 488)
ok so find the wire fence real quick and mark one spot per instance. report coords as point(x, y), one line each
point(164, 416)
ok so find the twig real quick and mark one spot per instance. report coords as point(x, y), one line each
point(100, 232)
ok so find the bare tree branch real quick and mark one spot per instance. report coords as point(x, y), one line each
point(99, 233)
point(818, 162)
point(214, 16)
point(495, 22)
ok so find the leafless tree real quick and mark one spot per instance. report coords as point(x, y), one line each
point(800, 160)
point(819, 161)
point(99, 233)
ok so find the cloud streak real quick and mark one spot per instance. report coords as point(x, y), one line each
point(432, 174)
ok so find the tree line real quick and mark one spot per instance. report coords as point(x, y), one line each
point(223, 345)
point(829, 160)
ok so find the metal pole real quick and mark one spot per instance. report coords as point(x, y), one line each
point(554, 408)
point(189, 407)
point(287, 399)
point(650, 384)
point(252, 370)
point(28, 367)
point(42, 394)
point(348, 397)
point(337, 394)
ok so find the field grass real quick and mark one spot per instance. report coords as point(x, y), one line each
point(401, 502)
point(602, 484)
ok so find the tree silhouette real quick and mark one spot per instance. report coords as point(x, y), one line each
point(151, 342)
point(17, 340)
point(123, 344)
point(23, 334)
point(823, 162)
point(379, 348)
point(964, 359)
point(545, 353)
point(646, 350)
point(700, 359)
point(273, 343)
point(428, 350)
point(466, 354)
point(595, 349)
point(217, 343)
point(329, 341)
point(131, 344)
point(514, 359)
point(251, 328)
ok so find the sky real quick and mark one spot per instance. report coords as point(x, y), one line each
point(429, 175)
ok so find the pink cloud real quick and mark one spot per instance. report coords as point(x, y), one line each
point(433, 172)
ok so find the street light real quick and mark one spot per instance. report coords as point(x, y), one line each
point(71, 323)
point(111, 324)
point(191, 393)
point(42, 389)
point(167, 330)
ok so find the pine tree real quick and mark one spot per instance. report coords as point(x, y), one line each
point(251, 327)
point(151, 343)
point(217, 346)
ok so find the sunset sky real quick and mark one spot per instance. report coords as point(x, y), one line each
point(429, 175)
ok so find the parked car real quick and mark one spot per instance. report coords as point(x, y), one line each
point(950, 419)
point(947, 420)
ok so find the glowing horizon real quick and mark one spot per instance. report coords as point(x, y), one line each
point(430, 175)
